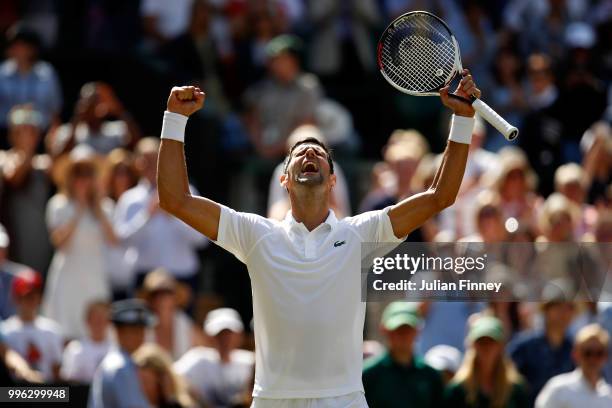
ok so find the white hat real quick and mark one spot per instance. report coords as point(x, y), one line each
point(223, 319)
point(580, 35)
point(4, 238)
point(443, 357)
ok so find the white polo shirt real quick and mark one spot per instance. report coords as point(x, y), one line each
point(307, 304)
point(571, 390)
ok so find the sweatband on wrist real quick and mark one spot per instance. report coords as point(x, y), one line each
point(173, 126)
point(461, 129)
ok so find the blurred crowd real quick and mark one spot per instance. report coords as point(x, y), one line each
point(83, 86)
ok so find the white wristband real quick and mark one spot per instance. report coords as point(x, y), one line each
point(173, 126)
point(461, 129)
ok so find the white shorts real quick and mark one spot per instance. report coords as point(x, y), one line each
point(352, 400)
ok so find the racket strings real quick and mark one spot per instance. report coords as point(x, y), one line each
point(419, 55)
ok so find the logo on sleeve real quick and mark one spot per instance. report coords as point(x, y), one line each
point(339, 243)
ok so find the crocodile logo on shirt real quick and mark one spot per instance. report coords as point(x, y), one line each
point(339, 243)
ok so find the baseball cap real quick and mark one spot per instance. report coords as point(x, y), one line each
point(486, 326)
point(4, 238)
point(398, 314)
point(443, 357)
point(222, 319)
point(283, 43)
point(133, 312)
point(26, 282)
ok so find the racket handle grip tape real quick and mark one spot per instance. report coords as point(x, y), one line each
point(510, 132)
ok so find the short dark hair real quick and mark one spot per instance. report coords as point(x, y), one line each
point(314, 141)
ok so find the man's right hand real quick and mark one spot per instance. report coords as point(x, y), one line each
point(185, 100)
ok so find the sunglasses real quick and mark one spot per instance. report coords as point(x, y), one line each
point(594, 353)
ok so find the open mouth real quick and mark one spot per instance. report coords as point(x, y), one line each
point(310, 167)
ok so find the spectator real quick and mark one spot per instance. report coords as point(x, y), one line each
point(162, 386)
point(27, 189)
point(585, 386)
point(486, 377)
point(174, 332)
point(13, 366)
point(596, 145)
point(284, 100)
point(570, 181)
point(120, 176)
point(100, 121)
point(445, 359)
point(82, 357)
point(218, 376)
point(159, 239)
point(115, 382)
point(399, 378)
point(278, 198)
point(490, 226)
point(163, 20)
point(24, 79)
point(543, 353)
point(8, 270)
point(79, 221)
point(37, 339)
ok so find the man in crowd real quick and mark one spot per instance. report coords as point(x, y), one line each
point(219, 376)
point(585, 386)
point(115, 383)
point(37, 339)
point(8, 270)
point(399, 378)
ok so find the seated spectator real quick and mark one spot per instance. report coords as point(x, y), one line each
point(585, 386)
point(27, 188)
point(161, 385)
point(218, 376)
point(445, 359)
point(570, 181)
point(286, 99)
point(25, 79)
point(8, 270)
point(486, 378)
point(37, 339)
point(490, 226)
point(399, 378)
point(119, 174)
point(175, 331)
point(14, 367)
point(79, 221)
point(100, 121)
point(596, 145)
point(159, 239)
point(543, 353)
point(115, 382)
point(82, 357)
point(278, 198)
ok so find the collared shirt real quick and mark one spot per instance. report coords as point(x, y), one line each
point(116, 384)
point(572, 390)
point(307, 306)
point(538, 361)
point(388, 384)
point(39, 87)
point(160, 240)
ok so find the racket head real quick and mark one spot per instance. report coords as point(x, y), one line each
point(418, 54)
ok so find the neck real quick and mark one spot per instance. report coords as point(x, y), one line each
point(310, 208)
point(224, 355)
point(555, 335)
point(402, 357)
point(27, 317)
point(24, 67)
point(591, 376)
point(98, 337)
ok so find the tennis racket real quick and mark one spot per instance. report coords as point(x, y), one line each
point(419, 55)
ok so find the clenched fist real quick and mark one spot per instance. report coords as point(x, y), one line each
point(185, 100)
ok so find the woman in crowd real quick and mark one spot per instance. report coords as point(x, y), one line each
point(161, 385)
point(175, 331)
point(120, 174)
point(78, 218)
point(486, 378)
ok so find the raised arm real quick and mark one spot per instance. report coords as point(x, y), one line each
point(412, 212)
point(172, 182)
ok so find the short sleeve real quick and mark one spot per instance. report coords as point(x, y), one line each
point(239, 232)
point(127, 386)
point(374, 226)
point(59, 211)
point(549, 397)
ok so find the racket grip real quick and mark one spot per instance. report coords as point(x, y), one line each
point(510, 132)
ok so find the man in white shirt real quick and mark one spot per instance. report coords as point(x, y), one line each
point(82, 357)
point(219, 376)
point(305, 270)
point(37, 339)
point(585, 386)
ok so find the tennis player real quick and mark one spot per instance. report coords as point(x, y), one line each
point(305, 270)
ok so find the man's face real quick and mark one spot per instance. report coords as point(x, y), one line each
point(401, 339)
point(560, 314)
point(308, 166)
point(130, 337)
point(591, 356)
point(284, 67)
